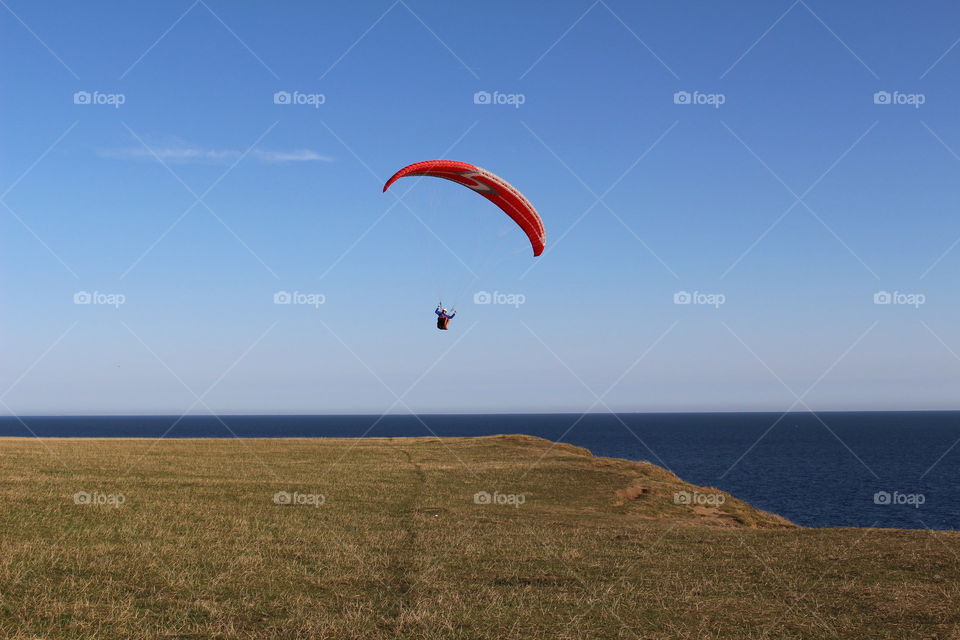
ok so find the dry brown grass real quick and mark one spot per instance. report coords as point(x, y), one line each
point(598, 549)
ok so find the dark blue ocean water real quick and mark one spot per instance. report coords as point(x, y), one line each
point(814, 473)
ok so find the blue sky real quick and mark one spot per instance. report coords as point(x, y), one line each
point(185, 209)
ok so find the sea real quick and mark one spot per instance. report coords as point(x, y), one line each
point(825, 469)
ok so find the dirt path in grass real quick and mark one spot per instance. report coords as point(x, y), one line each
point(403, 568)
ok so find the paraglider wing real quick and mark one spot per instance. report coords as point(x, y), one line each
point(490, 186)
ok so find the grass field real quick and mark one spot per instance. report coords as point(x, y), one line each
point(504, 537)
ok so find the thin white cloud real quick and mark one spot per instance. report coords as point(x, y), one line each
point(189, 154)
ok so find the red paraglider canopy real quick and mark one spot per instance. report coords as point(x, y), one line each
point(490, 186)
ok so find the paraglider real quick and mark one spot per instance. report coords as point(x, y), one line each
point(443, 317)
point(490, 186)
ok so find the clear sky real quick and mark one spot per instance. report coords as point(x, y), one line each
point(736, 150)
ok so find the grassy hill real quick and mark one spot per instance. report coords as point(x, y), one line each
point(500, 537)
